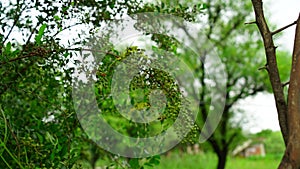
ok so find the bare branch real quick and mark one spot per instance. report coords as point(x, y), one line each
point(283, 28)
point(273, 72)
point(32, 32)
point(264, 68)
point(248, 23)
point(285, 84)
point(16, 19)
point(67, 27)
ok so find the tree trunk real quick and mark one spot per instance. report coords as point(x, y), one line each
point(289, 116)
point(291, 159)
point(222, 159)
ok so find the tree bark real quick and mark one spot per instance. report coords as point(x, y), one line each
point(289, 114)
point(272, 68)
point(291, 157)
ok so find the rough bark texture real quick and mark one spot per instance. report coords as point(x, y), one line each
point(288, 113)
point(291, 157)
point(272, 68)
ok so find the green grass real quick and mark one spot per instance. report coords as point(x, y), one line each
point(268, 162)
point(209, 161)
point(186, 161)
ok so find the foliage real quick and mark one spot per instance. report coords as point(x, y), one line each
point(39, 128)
point(31, 94)
point(182, 9)
point(141, 85)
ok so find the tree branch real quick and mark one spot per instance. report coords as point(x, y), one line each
point(31, 54)
point(32, 32)
point(248, 23)
point(273, 72)
point(231, 138)
point(17, 17)
point(264, 68)
point(283, 28)
point(213, 18)
point(285, 84)
point(67, 27)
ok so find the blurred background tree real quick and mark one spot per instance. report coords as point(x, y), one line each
point(237, 46)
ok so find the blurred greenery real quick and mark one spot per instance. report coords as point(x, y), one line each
point(209, 160)
point(273, 142)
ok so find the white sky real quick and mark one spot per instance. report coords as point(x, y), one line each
point(284, 12)
point(260, 110)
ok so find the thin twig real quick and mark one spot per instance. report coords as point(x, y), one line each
point(32, 32)
point(15, 21)
point(5, 127)
point(93, 50)
point(286, 83)
point(7, 164)
point(14, 136)
point(120, 165)
point(70, 26)
point(23, 57)
point(283, 28)
point(248, 23)
point(263, 68)
point(11, 155)
point(15, 59)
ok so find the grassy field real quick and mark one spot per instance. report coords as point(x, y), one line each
point(209, 161)
point(274, 146)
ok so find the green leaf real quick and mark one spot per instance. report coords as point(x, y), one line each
point(155, 160)
point(57, 18)
point(41, 138)
point(152, 161)
point(8, 47)
point(204, 6)
point(134, 163)
point(40, 34)
point(52, 155)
